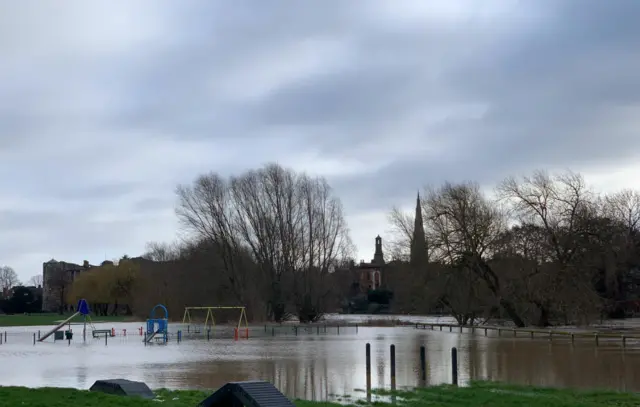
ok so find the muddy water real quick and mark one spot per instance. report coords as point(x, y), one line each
point(314, 365)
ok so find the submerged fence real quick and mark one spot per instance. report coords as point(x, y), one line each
point(180, 332)
point(423, 367)
point(550, 334)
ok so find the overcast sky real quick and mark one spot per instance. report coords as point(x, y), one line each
point(105, 106)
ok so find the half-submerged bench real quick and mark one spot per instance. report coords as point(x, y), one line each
point(102, 332)
point(249, 394)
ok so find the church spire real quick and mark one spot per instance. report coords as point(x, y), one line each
point(418, 255)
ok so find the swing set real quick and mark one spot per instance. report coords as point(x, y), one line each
point(241, 331)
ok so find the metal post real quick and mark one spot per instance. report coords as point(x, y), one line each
point(34, 338)
point(423, 363)
point(392, 350)
point(105, 338)
point(454, 366)
point(368, 367)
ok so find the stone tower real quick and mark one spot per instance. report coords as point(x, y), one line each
point(419, 255)
point(378, 256)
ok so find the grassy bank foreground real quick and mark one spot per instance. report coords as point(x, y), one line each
point(478, 394)
point(52, 319)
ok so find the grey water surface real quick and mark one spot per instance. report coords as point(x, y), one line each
point(313, 363)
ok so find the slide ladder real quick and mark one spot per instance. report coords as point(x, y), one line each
point(150, 337)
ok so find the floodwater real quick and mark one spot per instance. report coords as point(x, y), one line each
point(313, 364)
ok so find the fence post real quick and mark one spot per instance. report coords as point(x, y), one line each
point(423, 363)
point(368, 366)
point(34, 338)
point(454, 366)
point(392, 350)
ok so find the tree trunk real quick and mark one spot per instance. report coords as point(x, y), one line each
point(511, 311)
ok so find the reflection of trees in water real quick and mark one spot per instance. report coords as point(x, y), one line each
point(306, 378)
point(81, 376)
point(314, 369)
point(538, 362)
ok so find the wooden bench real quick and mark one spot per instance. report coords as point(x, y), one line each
point(102, 332)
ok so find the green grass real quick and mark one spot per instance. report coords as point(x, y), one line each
point(50, 319)
point(478, 394)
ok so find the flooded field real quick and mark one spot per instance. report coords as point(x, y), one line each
point(313, 364)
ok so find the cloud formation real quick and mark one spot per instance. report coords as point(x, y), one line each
point(104, 108)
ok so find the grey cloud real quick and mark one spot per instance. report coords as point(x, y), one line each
point(549, 82)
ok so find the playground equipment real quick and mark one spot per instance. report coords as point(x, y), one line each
point(83, 309)
point(157, 326)
point(240, 331)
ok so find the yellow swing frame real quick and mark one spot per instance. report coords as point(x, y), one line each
point(186, 319)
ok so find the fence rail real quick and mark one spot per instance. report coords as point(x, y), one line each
point(192, 331)
point(533, 333)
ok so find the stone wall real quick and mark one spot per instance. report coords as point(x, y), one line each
point(57, 277)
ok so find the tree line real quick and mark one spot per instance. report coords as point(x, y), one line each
point(265, 239)
point(544, 249)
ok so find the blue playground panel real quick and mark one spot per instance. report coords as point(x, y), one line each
point(158, 326)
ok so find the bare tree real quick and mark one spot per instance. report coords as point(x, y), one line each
point(8, 278)
point(400, 233)
point(292, 225)
point(624, 207)
point(207, 210)
point(464, 228)
point(562, 206)
point(554, 203)
point(323, 242)
point(35, 281)
point(157, 251)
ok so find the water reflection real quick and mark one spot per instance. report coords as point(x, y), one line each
point(317, 366)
